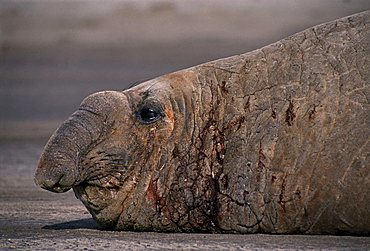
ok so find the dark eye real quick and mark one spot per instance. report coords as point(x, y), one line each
point(148, 115)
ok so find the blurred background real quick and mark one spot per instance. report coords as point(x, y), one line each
point(53, 53)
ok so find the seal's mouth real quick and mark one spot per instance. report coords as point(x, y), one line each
point(97, 194)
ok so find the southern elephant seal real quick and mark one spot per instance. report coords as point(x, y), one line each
point(272, 141)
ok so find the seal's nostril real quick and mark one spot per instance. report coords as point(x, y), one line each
point(59, 189)
point(53, 184)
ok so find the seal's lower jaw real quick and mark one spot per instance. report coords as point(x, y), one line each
point(100, 201)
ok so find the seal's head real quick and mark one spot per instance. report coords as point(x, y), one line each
point(118, 152)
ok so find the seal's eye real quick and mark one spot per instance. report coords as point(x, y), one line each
point(148, 115)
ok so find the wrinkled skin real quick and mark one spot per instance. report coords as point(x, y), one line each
point(272, 141)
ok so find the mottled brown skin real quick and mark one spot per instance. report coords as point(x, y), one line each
point(271, 141)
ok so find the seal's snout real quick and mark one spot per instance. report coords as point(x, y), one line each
point(52, 178)
point(58, 168)
point(52, 186)
point(53, 183)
